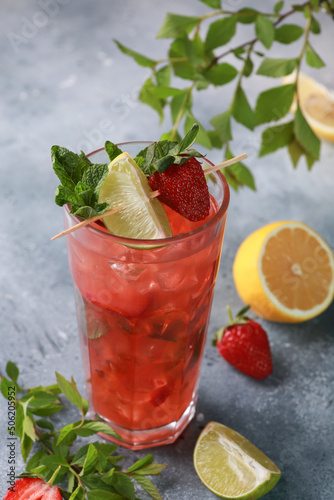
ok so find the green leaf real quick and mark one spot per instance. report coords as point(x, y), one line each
point(182, 66)
point(215, 4)
point(66, 435)
point(240, 174)
point(315, 26)
point(90, 460)
point(312, 58)
point(151, 470)
point(70, 390)
point(7, 387)
point(68, 166)
point(78, 494)
point(278, 7)
point(108, 478)
point(264, 30)
point(103, 495)
point(46, 410)
point(163, 75)
point(220, 74)
point(42, 398)
point(12, 371)
point(248, 66)
point(202, 136)
point(274, 103)
point(220, 32)
point(141, 463)
point(148, 96)
point(112, 150)
point(139, 58)
point(241, 110)
point(305, 135)
point(295, 152)
point(276, 137)
point(35, 460)
point(277, 67)
point(28, 428)
point(164, 92)
point(288, 33)
point(54, 461)
point(174, 24)
point(148, 486)
point(222, 124)
point(90, 427)
point(215, 140)
point(26, 445)
point(124, 485)
point(179, 104)
point(247, 15)
point(189, 138)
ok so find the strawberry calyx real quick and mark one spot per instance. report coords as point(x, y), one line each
point(239, 319)
point(160, 155)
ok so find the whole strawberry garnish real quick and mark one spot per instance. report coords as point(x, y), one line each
point(184, 189)
point(244, 344)
point(32, 488)
point(174, 172)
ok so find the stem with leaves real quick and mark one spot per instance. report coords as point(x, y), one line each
point(92, 472)
point(199, 58)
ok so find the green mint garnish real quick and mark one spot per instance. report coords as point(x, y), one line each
point(91, 471)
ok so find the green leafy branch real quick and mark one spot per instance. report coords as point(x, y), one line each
point(195, 58)
point(93, 471)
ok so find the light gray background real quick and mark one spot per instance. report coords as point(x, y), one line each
point(64, 82)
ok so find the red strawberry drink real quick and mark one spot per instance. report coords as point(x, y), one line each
point(143, 308)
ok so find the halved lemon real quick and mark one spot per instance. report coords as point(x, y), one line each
point(141, 217)
point(317, 104)
point(232, 467)
point(285, 272)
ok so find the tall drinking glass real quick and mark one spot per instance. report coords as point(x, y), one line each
point(143, 308)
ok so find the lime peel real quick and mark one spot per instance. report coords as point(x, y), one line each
point(232, 467)
point(142, 217)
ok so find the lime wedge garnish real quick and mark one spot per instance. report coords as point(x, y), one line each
point(141, 217)
point(232, 467)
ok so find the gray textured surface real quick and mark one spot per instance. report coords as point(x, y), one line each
point(65, 83)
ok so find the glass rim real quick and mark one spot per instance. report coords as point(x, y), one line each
point(161, 241)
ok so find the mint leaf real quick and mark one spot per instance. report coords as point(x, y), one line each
point(278, 6)
point(124, 485)
point(238, 174)
point(277, 137)
point(90, 460)
point(274, 103)
point(103, 495)
point(139, 58)
point(68, 166)
point(220, 32)
point(78, 494)
point(174, 24)
point(69, 389)
point(312, 58)
point(148, 96)
point(246, 15)
point(305, 135)
point(222, 124)
point(163, 75)
point(264, 30)
point(202, 136)
point(277, 67)
point(295, 152)
point(141, 463)
point(148, 486)
point(112, 150)
point(12, 371)
point(188, 139)
point(220, 74)
point(241, 110)
point(215, 4)
point(288, 33)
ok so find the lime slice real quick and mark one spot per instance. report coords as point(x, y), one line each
point(232, 467)
point(126, 186)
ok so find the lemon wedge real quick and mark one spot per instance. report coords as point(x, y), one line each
point(317, 104)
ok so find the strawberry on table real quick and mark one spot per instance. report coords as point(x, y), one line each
point(32, 488)
point(244, 344)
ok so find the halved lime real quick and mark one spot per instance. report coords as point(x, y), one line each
point(232, 467)
point(126, 186)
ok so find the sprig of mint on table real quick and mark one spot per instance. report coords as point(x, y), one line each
point(81, 180)
point(92, 471)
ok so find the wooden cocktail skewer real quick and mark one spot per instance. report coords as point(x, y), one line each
point(154, 194)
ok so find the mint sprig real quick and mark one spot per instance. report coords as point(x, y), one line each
point(161, 155)
point(81, 181)
point(91, 472)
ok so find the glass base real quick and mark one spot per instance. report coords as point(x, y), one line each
point(140, 439)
